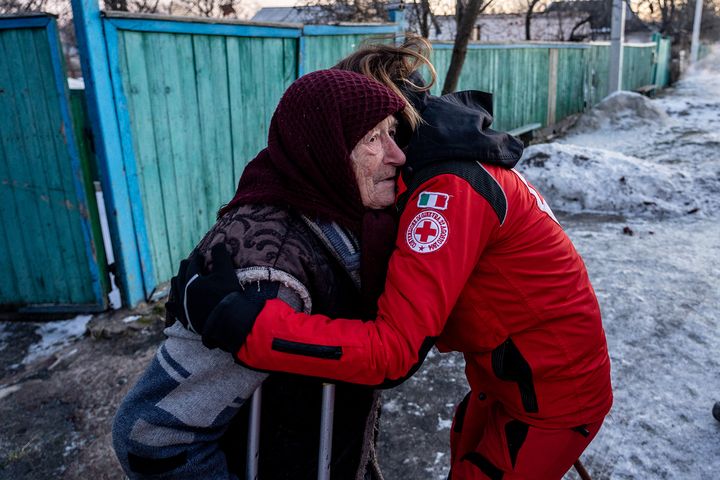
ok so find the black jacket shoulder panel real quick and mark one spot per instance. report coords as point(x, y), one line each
point(472, 172)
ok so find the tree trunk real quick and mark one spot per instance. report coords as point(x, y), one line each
point(578, 25)
point(465, 26)
point(425, 18)
point(528, 18)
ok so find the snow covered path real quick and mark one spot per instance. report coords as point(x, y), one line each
point(638, 182)
point(660, 301)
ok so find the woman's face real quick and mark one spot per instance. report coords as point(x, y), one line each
point(375, 160)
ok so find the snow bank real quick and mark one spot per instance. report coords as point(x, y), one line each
point(635, 156)
point(621, 111)
point(708, 65)
point(576, 179)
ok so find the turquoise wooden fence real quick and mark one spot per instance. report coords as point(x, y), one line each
point(517, 76)
point(571, 96)
point(704, 50)
point(48, 255)
point(323, 46)
point(179, 106)
point(638, 65)
point(544, 82)
point(662, 60)
point(195, 100)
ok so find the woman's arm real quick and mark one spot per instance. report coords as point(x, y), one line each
point(442, 233)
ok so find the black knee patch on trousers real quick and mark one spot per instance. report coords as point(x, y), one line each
point(515, 434)
point(509, 364)
point(484, 465)
point(155, 466)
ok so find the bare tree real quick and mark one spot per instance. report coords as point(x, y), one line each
point(147, 6)
point(674, 18)
point(466, 15)
point(421, 17)
point(573, 33)
point(117, 5)
point(200, 8)
point(18, 6)
point(531, 6)
point(347, 10)
point(138, 6)
point(211, 8)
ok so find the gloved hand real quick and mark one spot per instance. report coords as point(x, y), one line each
point(215, 305)
point(193, 298)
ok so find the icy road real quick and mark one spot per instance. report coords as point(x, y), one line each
point(636, 184)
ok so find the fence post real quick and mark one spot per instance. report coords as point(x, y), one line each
point(695, 45)
point(108, 147)
point(617, 37)
point(552, 86)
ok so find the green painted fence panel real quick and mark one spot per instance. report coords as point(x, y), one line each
point(570, 95)
point(517, 78)
point(520, 80)
point(663, 58)
point(322, 46)
point(597, 71)
point(638, 65)
point(324, 51)
point(199, 108)
point(704, 50)
point(638, 69)
point(48, 255)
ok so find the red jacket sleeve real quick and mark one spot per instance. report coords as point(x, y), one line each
point(442, 232)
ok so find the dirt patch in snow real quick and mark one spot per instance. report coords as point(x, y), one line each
point(57, 404)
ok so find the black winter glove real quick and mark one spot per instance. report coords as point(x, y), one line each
point(214, 305)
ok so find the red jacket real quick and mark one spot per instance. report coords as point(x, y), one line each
point(481, 267)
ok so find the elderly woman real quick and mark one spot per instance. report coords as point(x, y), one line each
point(302, 208)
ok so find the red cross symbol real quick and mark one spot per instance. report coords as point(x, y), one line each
point(425, 231)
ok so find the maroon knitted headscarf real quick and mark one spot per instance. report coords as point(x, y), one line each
point(306, 164)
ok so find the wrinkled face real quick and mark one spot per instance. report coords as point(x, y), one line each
point(375, 161)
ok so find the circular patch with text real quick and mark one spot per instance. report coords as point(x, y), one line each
point(427, 232)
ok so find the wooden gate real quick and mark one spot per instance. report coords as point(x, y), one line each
point(49, 259)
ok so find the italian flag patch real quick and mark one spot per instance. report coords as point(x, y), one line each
point(436, 200)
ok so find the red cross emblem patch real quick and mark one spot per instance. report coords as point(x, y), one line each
point(427, 232)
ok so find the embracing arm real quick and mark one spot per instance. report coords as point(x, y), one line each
point(436, 251)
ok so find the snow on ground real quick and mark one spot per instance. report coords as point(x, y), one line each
point(660, 302)
point(55, 335)
point(658, 288)
point(636, 183)
point(577, 179)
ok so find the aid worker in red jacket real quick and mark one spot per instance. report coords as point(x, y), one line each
point(481, 266)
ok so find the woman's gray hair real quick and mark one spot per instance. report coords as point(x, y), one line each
point(392, 65)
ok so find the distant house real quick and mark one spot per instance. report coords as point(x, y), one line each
point(306, 14)
point(551, 26)
point(598, 15)
point(510, 27)
point(578, 20)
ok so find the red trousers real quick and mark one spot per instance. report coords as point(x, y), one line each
point(487, 443)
